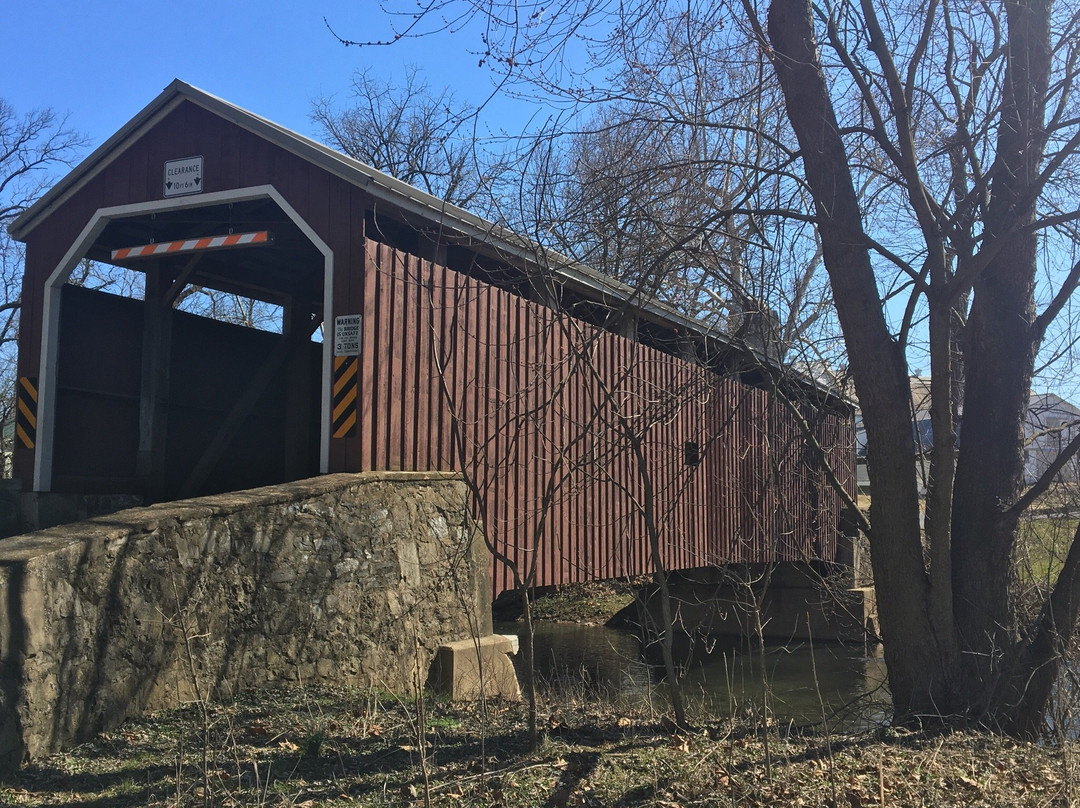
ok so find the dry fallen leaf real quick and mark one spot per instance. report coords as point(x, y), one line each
point(967, 781)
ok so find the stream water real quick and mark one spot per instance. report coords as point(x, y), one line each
point(842, 685)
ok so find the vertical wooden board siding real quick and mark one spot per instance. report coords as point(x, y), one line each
point(469, 384)
point(533, 458)
point(370, 414)
point(442, 373)
point(544, 461)
point(764, 494)
point(516, 382)
point(440, 301)
point(480, 373)
point(491, 389)
point(556, 449)
point(637, 381)
point(533, 555)
point(519, 447)
point(498, 504)
point(618, 532)
point(634, 549)
point(374, 439)
point(412, 328)
point(567, 440)
point(389, 414)
point(462, 389)
point(495, 358)
point(541, 545)
point(369, 348)
point(436, 313)
point(419, 458)
point(445, 355)
point(495, 507)
point(586, 420)
point(380, 457)
point(407, 367)
point(395, 386)
point(747, 474)
point(581, 427)
point(417, 358)
point(615, 534)
point(459, 287)
point(425, 429)
point(633, 381)
point(731, 443)
point(512, 500)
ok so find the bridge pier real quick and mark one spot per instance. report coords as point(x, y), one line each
point(784, 601)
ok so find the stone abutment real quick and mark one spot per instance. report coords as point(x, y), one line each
point(351, 579)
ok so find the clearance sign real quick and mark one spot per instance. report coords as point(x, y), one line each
point(184, 176)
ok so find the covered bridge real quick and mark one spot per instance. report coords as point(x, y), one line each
point(591, 424)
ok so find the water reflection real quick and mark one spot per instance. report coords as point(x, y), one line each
point(802, 684)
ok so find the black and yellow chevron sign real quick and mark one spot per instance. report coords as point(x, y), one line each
point(26, 414)
point(343, 419)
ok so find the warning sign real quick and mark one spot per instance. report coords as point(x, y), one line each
point(184, 176)
point(347, 334)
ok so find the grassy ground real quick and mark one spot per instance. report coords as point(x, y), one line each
point(1042, 546)
point(591, 603)
point(311, 747)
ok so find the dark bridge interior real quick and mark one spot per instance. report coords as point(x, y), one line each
point(168, 404)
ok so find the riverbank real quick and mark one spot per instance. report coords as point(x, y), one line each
point(593, 603)
point(309, 747)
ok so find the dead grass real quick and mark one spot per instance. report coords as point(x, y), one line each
point(591, 603)
point(348, 748)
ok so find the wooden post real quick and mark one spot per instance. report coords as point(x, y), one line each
point(297, 327)
point(154, 390)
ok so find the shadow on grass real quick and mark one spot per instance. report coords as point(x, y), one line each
point(139, 764)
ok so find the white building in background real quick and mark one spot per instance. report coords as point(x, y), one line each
point(1052, 422)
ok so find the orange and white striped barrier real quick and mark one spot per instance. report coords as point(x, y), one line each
point(193, 244)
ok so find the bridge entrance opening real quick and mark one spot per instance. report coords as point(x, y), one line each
point(204, 374)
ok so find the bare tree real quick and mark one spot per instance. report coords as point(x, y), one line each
point(33, 146)
point(411, 132)
point(664, 183)
point(972, 117)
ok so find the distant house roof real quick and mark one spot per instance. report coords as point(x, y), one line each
point(920, 393)
point(1051, 403)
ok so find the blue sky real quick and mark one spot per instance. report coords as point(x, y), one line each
point(102, 62)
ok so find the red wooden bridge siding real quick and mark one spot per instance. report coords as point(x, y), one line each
point(544, 412)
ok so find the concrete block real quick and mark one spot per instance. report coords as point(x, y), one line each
point(515, 643)
point(467, 670)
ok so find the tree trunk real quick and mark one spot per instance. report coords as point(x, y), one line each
point(1000, 355)
point(921, 661)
